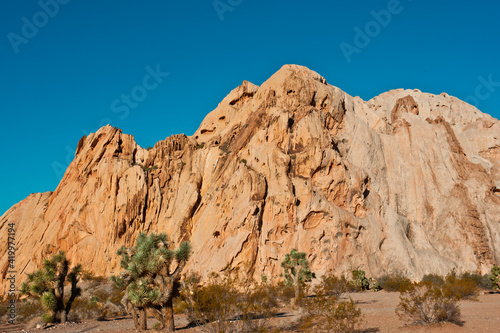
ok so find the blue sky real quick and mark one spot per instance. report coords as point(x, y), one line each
point(67, 66)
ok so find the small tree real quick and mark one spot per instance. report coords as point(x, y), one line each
point(297, 271)
point(47, 284)
point(495, 276)
point(151, 278)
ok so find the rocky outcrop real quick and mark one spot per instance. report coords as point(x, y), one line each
point(406, 182)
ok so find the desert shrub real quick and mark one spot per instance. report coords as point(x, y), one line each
point(482, 281)
point(89, 276)
point(222, 305)
point(180, 305)
point(460, 287)
point(99, 300)
point(485, 282)
point(495, 277)
point(27, 309)
point(85, 308)
point(325, 313)
point(286, 292)
point(426, 303)
point(433, 279)
point(396, 282)
point(332, 285)
point(329, 315)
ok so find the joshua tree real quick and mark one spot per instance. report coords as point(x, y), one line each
point(151, 278)
point(47, 284)
point(297, 271)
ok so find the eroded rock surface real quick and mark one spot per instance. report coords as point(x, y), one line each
point(406, 182)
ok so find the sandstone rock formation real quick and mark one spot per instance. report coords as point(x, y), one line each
point(406, 182)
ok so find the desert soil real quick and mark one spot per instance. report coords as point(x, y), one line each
point(377, 308)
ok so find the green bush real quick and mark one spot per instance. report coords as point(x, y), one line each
point(359, 280)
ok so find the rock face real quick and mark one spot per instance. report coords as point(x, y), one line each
point(406, 182)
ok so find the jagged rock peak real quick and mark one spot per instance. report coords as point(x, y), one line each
point(406, 182)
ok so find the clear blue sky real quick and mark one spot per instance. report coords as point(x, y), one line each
point(64, 69)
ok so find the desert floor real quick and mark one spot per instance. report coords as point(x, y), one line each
point(377, 308)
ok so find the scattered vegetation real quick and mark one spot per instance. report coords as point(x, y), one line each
point(331, 285)
point(243, 161)
point(150, 285)
point(47, 285)
point(435, 299)
point(396, 282)
point(482, 281)
point(228, 304)
point(325, 312)
point(150, 282)
point(459, 287)
point(200, 145)
point(149, 148)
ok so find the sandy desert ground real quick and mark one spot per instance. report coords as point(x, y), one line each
point(377, 308)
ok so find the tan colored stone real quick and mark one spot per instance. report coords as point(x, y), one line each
point(405, 182)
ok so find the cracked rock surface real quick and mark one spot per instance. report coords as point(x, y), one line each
point(406, 182)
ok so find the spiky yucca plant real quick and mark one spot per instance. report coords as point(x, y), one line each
point(151, 278)
point(47, 284)
point(297, 271)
